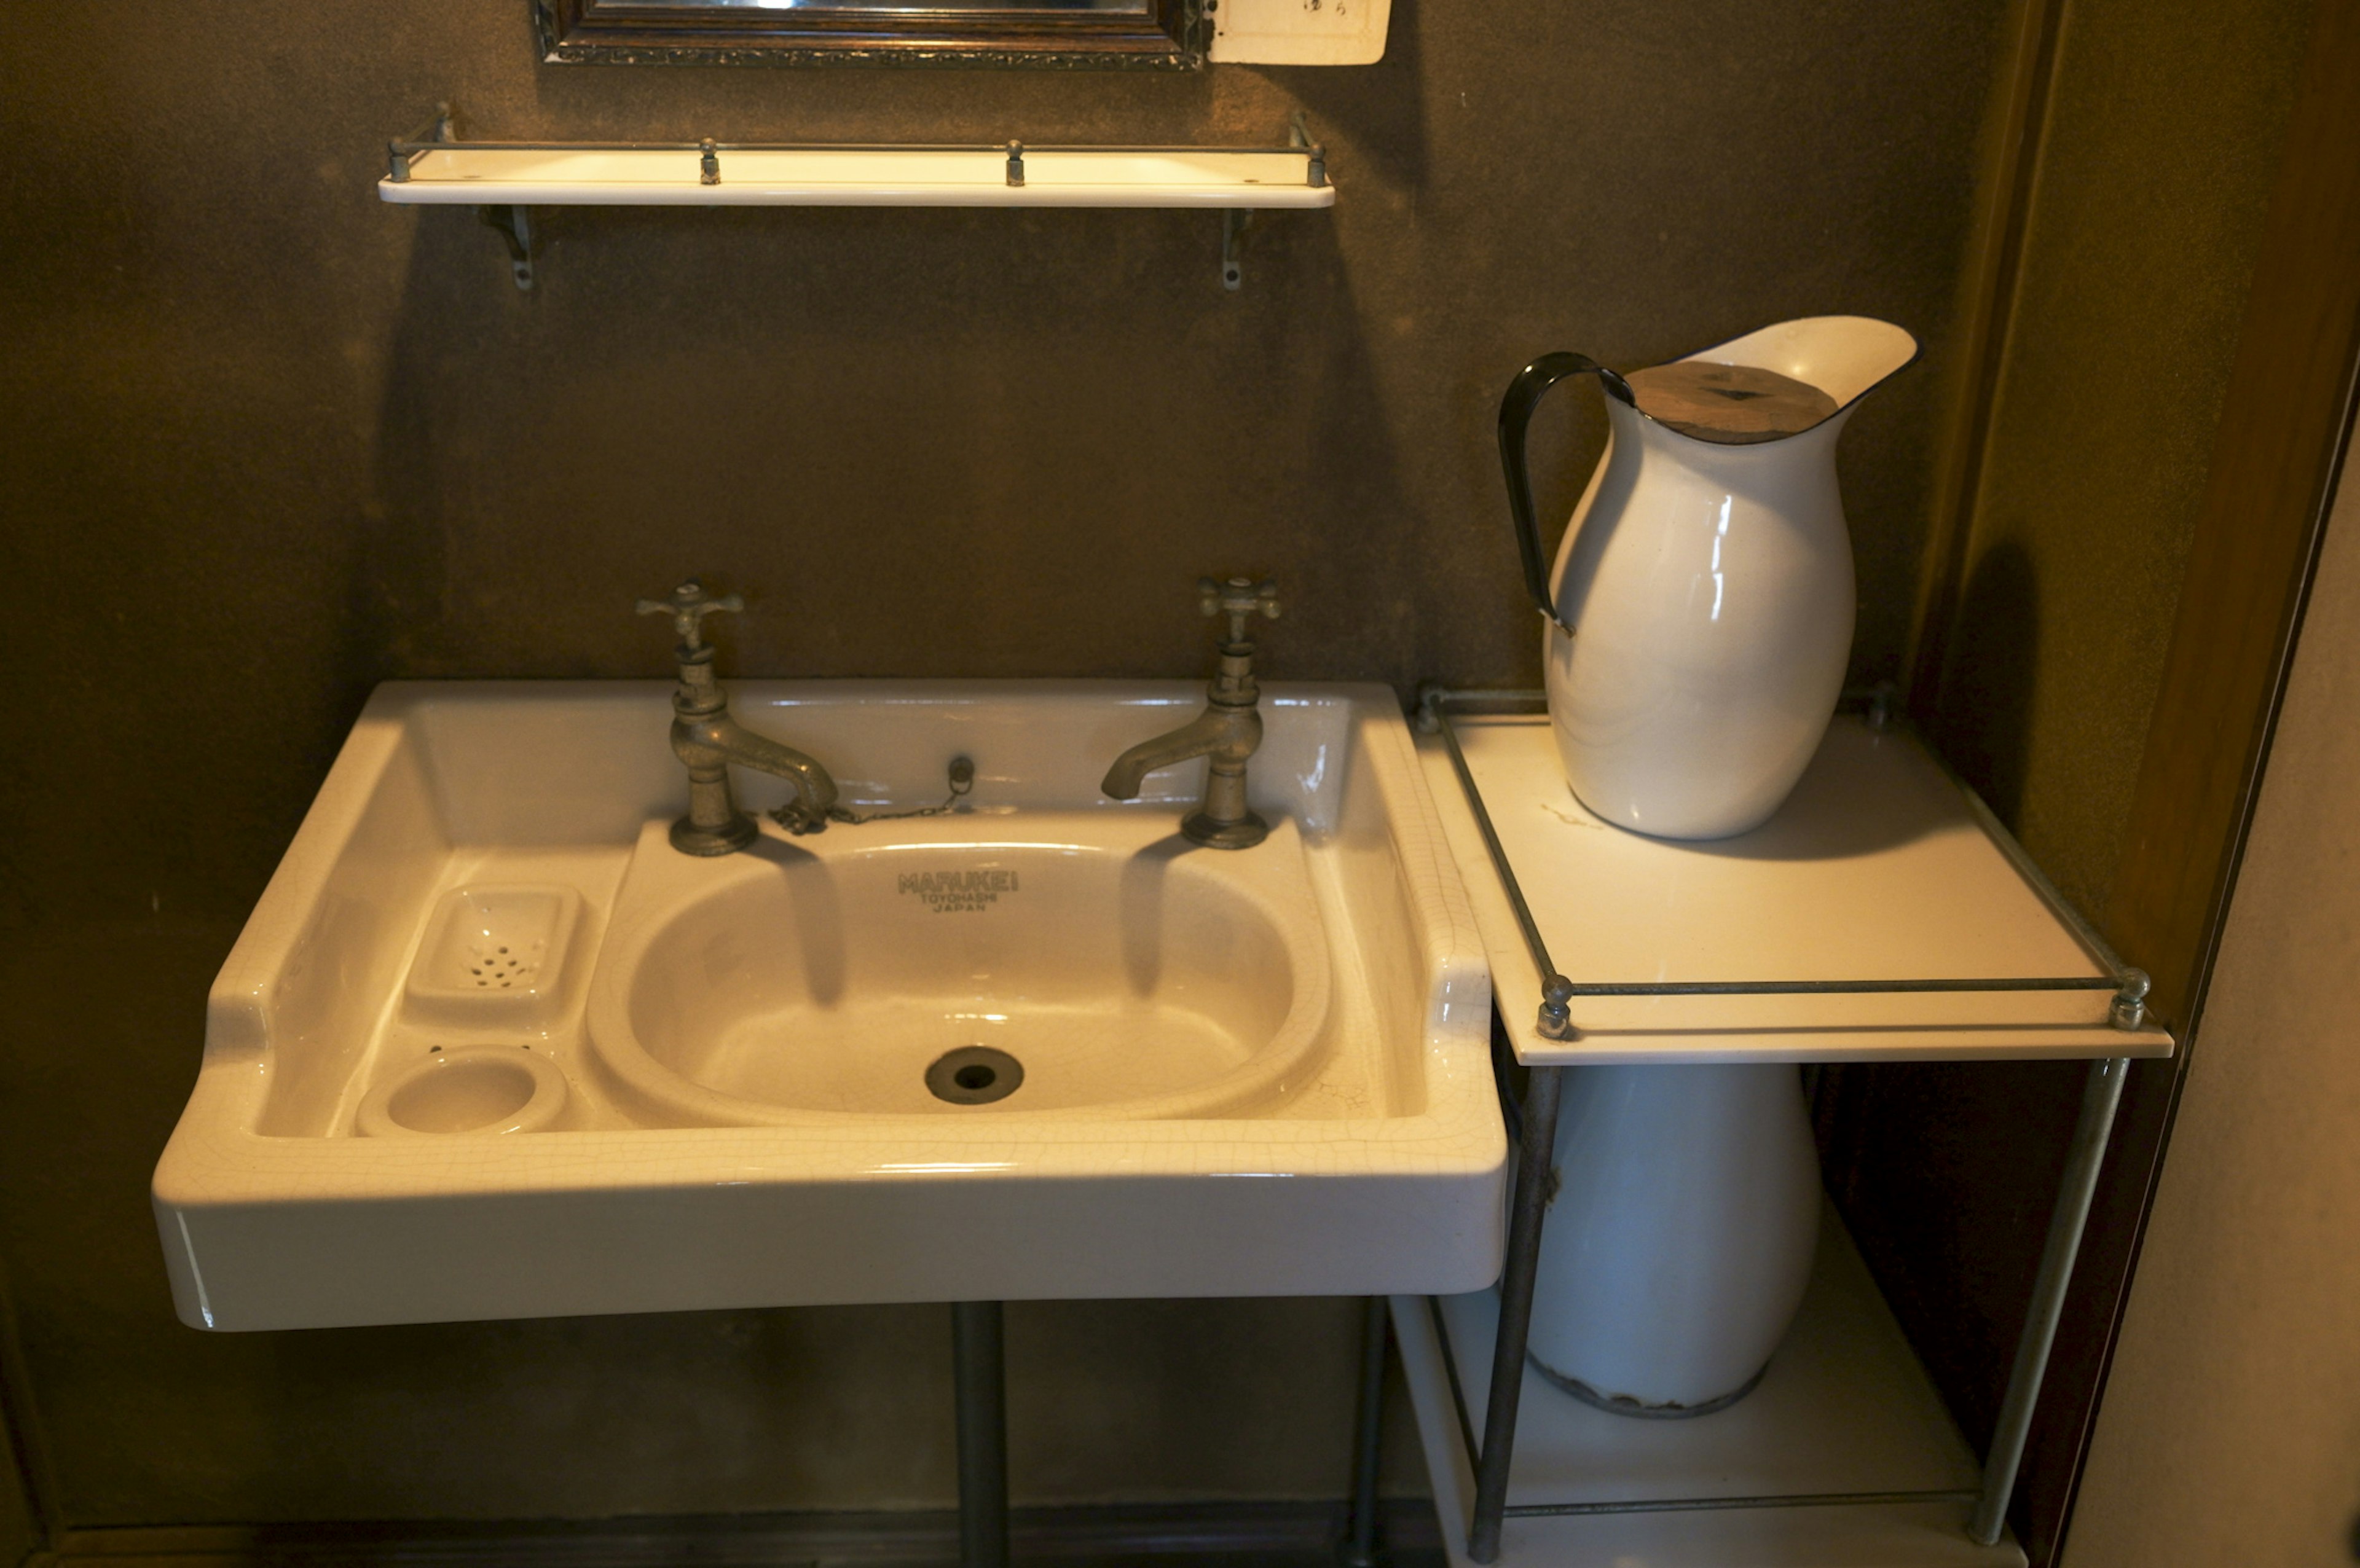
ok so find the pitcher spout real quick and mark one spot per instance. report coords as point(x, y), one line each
point(1844, 356)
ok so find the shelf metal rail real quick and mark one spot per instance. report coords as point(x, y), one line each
point(1535, 1121)
point(1300, 178)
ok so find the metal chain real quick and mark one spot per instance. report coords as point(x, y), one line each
point(793, 818)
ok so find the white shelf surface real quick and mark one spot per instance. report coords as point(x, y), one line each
point(886, 176)
point(1874, 869)
point(1844, 1409)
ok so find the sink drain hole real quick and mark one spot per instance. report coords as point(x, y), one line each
point(973, 1075)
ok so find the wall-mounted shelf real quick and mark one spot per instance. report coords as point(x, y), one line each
point(731, 174)
point(503, 181)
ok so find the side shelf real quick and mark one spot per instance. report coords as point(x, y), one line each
point(1843, 1457)
point(1882, 914)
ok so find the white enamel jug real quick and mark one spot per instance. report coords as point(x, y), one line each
point(1679, 1242)
point(1700, 612)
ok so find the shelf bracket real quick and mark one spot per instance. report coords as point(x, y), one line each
point(514, 226)
point(1235, 221)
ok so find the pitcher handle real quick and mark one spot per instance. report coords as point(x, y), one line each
point(1525, 394)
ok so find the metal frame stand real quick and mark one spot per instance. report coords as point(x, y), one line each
point(1360, 1549)
point(2101, 1096)
point(979, 1371)
point(1535, 1163)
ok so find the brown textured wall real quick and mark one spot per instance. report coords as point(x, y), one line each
point(2166, 122)
point(270, 442)
point(19, 1535)
point(2164, 128)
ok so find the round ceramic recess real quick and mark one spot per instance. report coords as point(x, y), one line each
point(475, 1090)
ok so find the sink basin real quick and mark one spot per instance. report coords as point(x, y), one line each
point(817, 981)
point(489, 1047)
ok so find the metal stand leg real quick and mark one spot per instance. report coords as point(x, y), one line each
point(982, 1394)
point(1368, 1446)
point(2100, 1095)
point(1533, 1167)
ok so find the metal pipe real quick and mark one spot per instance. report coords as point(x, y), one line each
point(1534, 1177)
point(1831, 987)
point(1360, 1546)
point(1556, 1019)
point(980, 1373)
point(2100, 1094)
point(417, 143)
point(1714, 1504)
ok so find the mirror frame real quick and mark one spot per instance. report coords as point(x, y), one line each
point(1171, 35)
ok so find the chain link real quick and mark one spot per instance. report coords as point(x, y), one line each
point(793, 818)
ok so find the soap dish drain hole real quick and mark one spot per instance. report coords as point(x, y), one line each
point(496, 966)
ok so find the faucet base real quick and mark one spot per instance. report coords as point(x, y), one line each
point(1242, 833)
point(730, 837)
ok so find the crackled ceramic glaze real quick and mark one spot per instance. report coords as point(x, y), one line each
point(1259, 1072)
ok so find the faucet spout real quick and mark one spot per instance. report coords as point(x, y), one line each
point(1226, 736)
point(1227, 732)
point(718, 740)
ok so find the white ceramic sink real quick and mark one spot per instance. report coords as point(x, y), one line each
point(489, 1047)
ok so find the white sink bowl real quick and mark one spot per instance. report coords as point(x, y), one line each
point(489, 1047)
point(815, 981)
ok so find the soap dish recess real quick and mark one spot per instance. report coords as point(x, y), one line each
point(486, 1089)
point(493, 955)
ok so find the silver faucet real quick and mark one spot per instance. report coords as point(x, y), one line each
point(1227, 732)
point(709, 740)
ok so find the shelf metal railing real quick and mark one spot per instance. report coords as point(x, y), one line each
point(432, 164)
point(1436, 706)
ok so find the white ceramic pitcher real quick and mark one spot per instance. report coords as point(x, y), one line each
point(1700, 611)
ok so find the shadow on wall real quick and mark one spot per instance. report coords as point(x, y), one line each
point(1381, 108)
point(1905, 1147)
point(907, 437)
point(1986, 714)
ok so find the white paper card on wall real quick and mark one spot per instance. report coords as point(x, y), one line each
point(1300, 32)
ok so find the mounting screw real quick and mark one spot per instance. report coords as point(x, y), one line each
point(1555, 1020)
point(514, 226)
point(1235, 221)
point(2129, 1009)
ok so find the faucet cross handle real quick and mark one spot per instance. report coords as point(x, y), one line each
point(688, 606)
point(1240, 599)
